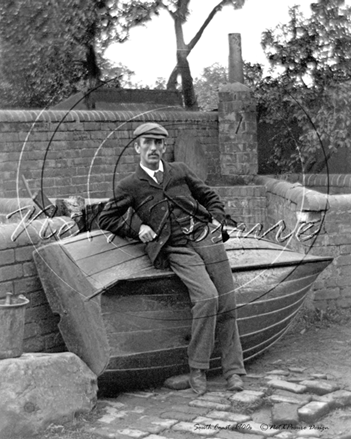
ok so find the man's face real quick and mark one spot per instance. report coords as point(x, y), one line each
point(151, 151)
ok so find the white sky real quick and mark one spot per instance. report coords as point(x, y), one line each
point(151, 51)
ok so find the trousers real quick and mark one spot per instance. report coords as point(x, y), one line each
point(205, 270)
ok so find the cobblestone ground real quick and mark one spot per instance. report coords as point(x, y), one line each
point(299, 389)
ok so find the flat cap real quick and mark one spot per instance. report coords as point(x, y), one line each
point(151, 130)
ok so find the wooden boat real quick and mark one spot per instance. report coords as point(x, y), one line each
point(130, 322)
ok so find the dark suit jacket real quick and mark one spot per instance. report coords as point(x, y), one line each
point(152, 202)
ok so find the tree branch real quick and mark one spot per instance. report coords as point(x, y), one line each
point(198, 35)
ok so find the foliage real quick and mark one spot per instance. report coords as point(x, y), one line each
point(43, 49)
point(208, 84)
point(306, 96)
point(303, 103)
point(50, 49)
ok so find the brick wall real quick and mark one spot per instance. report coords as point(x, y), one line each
point(78, 152)
point(246, 204)
point(18, 275)
point(237, 130)
point(293, 202)
point(325, 183)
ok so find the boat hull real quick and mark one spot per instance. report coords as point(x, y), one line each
point(149, 324)
point(131, 323)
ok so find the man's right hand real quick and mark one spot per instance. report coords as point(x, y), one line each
point(146, 234)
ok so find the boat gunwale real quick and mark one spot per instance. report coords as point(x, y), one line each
point(168, 274)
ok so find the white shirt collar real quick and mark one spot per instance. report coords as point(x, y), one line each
point(151, 173)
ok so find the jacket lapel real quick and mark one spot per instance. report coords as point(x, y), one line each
point(142, 175)
point(167, 174)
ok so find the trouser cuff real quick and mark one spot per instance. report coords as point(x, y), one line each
point(199, 365)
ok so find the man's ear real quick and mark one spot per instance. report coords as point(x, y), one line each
point(137, 147)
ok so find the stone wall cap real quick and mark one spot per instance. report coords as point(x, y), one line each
point(234, 87)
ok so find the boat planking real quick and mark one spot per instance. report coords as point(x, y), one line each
point(131, 323)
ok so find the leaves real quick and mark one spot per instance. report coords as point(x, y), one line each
point(309, 85)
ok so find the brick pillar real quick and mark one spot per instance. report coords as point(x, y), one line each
point(237, 120)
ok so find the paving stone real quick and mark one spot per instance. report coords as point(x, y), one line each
point(190, 409)
point(223, 394)
point(309, 432)
point(296, 369)
point(154, 425)
point(210, 405)
point(180, 382)
point(296, 399)
point(215, 397)
point(254, 376)
point(111, 415)
point(195, 429)
point(184, 393)
point(336, 399)
point(155, 436)
point(236, 435)
point(288, 386)
point(133, 433)
point(319, 376)
point(285, 434)
point(215, 423)
point(278, 372)
point(229, 416)
point(313, 411)
point(248, 397)
point(298, 379)
point(285, 413)
point(275, 377)
point(111, 403)
point(104, 433)
point(320, 387)
point(180, 416)
point(255, 428)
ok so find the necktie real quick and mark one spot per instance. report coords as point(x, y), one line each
point(159, 177)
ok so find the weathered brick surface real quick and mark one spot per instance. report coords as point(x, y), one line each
point(331, 235)
point(285, 413)
point(320, 387)
point(313, 411)
point(288, 386)
point(237, 130)
point(87, 146)
point(18, 275)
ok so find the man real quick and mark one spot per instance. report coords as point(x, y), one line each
point(179, 218)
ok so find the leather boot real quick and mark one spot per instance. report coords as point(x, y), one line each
point(235, 383)
point(197, 381)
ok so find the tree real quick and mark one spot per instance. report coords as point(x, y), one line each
point(207, 86)
point(46, 50)
point(182, 68)
point(50, 50)
point(307, 93)
point(119, 17)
